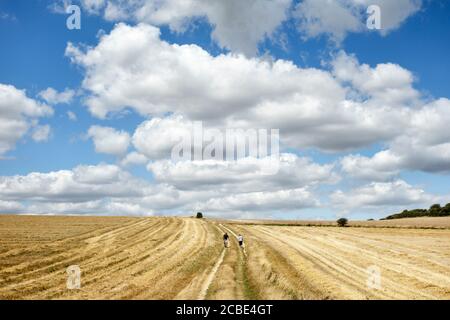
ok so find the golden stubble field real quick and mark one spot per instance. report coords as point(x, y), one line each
point(183, 258)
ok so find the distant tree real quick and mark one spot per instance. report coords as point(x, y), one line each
point(435, 207)
point(199, 215)
point(342, 222)
point(446, 210)
point(435, 210)
point(409, 214)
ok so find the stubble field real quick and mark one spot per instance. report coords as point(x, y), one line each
point(184, 258)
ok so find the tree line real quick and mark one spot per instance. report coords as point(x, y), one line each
point(435, 211)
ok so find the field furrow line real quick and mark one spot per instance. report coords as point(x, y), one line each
point(180, 267)
point(110, 264)
point(395, 264)
point(355, 275)
point(334, 270)
point(160, 262)
point(68, 256)
point(93, 254)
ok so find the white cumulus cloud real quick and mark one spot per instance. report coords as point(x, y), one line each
point(337, 18)
point(108, 140)
point(237, 25)
point(18, 113)
point(351, 106)
point(52, 96)
point(424, 145)
point(41, 133)
point(243, 175)
point(396, 194)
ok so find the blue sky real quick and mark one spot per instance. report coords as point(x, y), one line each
point(34, 58)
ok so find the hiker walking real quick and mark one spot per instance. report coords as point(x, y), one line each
point(240, 239)
point(225, 240)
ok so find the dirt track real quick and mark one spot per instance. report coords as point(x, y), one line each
point(183, 258)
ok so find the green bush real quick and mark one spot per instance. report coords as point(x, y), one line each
point(342, 222)
point(199, 215)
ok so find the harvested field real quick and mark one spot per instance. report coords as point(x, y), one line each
point(335, 263)
point(184, 258)
point(120, 258)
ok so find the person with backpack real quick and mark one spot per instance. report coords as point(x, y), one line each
point(226, 240)
point(240, 240)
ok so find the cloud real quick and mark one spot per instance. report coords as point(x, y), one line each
point(351, 106)
point(337, 18)
point(108, 140)
point(134, 158)
point(17, 115)
point(51, 96)
point(216, 86)
point(108, 189)
point(59, 6)
point(396, 194)
point(156, 138)
point(345, 105)
point(72, 116)
point(87, 189)
point(236, 25)
point(93, 6)
point(10, 206)
point(317, 17)
point(241, 25)
point(7, 16)
point(383, 166)
point(386, 83)
point(394, 13)
point(104, 207)
point(243, 175)
point(41, 133)
point(83, 183)
point(424, 145)
point(101, 174)
point(262, 202)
